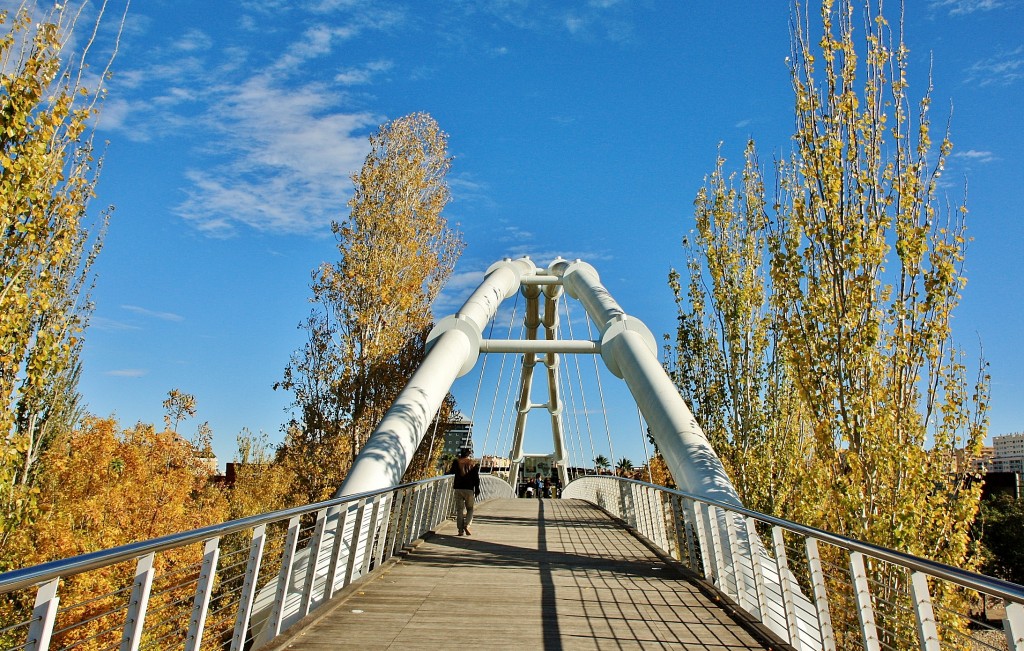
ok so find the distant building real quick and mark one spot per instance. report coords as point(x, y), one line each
point(494, 462)
point(458, 435)
point(1008, 453)
point(983, 461)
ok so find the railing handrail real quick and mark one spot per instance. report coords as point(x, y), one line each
point(37, 574)
point(987, 584)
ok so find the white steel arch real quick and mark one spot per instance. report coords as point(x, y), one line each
point(626, 345)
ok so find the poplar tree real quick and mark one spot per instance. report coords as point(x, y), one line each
point(372, 314)
point(48, 174)
point(815, 335)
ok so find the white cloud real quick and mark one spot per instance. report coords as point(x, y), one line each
point(364, 74)
point(1004, 68)
point(288, 158)
point(152, 314)
point(277, 143)
point(110, 325)
point(316, 42)
point(962, 7)
point(975, 156)
point(127, 372)
point(192, 40)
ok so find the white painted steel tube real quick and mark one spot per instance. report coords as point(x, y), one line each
point(453, 347)
point(386, 455)
point(630, 352)
point(543, 346)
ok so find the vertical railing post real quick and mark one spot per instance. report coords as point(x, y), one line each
point(44, 614)
point(353, 547)
point(786, 583)
point(284, 576)
point(396, 530)
point(677, 526)
point(413, 531)
point(314, 546)
point(734, 555)
point(385, 526)
point(757, 569)
point(138, 603)
point(828, 639)
point(435, 506)
point(924, 615)
point(339, 545)
point(371, 536)
point(252, 572)
point(427, 501)
point(1013, 626)
point(691, 532)
point(707, 554)
point(711, 514)
point(862, 595)
point(408, 507)
point(204, 590)
point(644, 513)
point(668, 525)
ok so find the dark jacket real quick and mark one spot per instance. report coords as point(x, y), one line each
point(467, 474)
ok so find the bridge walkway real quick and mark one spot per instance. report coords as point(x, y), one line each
point(535, 574)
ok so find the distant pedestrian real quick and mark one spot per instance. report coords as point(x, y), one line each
point(539, 483)
point(467, 488)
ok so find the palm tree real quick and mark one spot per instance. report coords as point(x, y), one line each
point(624, 466)
point(602, 463)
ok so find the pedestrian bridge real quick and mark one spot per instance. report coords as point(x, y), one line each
point(612, 563)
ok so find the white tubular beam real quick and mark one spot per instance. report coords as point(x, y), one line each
point(531, 322)
point(552, 293)
point(543, 346)
point(630, 351)
point(453, 347)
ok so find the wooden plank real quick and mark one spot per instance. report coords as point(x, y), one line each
point(550, 573)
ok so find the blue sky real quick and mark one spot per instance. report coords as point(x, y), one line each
point(581, 129)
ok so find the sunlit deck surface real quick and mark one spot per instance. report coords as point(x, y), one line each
point(535, 574)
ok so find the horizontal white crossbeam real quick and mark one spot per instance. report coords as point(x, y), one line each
point(564, 346)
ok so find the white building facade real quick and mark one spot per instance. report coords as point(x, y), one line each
point(1008, 453)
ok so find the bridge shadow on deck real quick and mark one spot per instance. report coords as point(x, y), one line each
point(551, 574)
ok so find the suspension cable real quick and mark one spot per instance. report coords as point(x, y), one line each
point(505, 427)
point(566, 381)
point(579, 376)
point(501, 371)
point(567, 450)
point(600, 391)
point(480, 379)
point(643, 437)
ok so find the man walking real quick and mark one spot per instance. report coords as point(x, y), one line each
point(467, 488)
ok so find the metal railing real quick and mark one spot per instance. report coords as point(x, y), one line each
point(232, 586)
point(815, 589)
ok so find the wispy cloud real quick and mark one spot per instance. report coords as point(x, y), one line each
point(287, 156)
point(194, 39)
point(511, 233)
point(961, 7)
point(606, 20)
point(276, 143)
point(975, 156)
point(363, 74)
point(1003, 68)
point(153, 314)
point(110, 325)
point(127, 372)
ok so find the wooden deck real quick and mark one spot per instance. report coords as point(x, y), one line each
point(535, 574)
